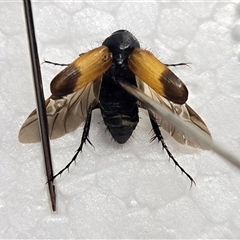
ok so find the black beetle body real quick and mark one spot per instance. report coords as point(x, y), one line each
point(119, 109)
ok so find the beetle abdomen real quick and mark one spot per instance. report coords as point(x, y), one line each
point(119, 110)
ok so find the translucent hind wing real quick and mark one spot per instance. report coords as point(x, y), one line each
point(64, 114)
point(184, 111)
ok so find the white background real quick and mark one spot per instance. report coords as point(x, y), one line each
point(129, 191)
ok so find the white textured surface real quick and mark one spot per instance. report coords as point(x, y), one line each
point(131, 191)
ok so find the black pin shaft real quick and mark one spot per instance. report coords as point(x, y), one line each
point(41, 108)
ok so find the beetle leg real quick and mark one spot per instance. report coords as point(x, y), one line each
point(160, 138)
point(177, 64)
point(83, 140)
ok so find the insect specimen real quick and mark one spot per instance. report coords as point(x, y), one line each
point(93, 81)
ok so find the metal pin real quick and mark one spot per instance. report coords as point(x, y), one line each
point(41, 109)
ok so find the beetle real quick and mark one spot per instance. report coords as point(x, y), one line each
point(94, 80)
